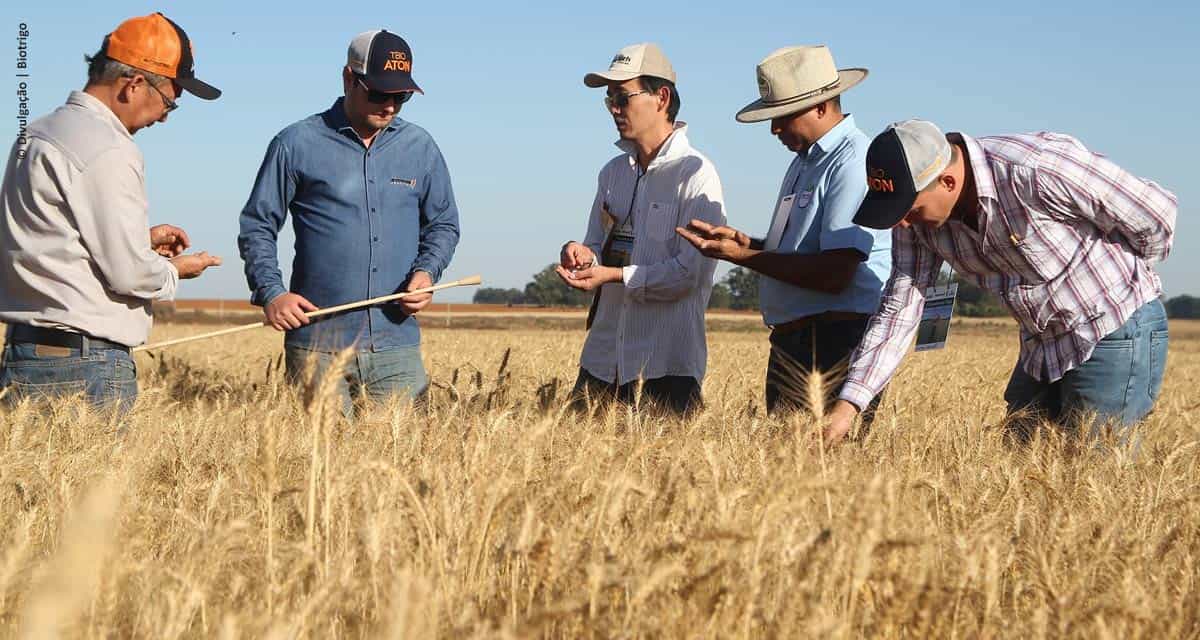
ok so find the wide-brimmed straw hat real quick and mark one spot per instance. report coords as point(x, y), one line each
point(792, 79)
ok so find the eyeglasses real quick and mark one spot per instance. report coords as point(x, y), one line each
point(168, 104)
point(621, 100)
point(379, 97)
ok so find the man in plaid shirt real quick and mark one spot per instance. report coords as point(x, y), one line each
point(1066, 239)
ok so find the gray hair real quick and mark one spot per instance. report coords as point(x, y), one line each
point(105, 70)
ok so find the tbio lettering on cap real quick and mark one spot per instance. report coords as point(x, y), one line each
point(397, 61)
point(877, 180)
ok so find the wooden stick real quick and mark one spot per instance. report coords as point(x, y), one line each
point(465, 282)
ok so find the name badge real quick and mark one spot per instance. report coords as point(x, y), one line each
point(805, 198)
point(779, 222)
point(618, 249)
point(934, 328)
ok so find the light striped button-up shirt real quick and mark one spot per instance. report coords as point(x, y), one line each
point(74, 228)
point(651, 324)
point(1066, 239)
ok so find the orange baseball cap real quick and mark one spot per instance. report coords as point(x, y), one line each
point(156, 44)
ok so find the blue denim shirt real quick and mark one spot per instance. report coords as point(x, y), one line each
point(365, 219)
point(830, 181)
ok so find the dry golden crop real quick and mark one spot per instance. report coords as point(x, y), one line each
point(233, 507)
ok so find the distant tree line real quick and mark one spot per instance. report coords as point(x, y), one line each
point(1183, 307)
point(738, 290)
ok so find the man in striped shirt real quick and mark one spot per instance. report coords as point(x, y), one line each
point(1066, 239)
point(647, 342)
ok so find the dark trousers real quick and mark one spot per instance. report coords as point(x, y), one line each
point(678, 395)
point(823, 345)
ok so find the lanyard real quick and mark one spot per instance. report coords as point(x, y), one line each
point(633, 197)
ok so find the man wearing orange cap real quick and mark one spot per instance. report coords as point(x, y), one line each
point(81, 263)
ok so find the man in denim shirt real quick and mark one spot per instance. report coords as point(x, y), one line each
point(374, 214)
point(820, 274)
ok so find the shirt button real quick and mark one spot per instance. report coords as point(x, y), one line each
point(371, 180)
point(372, 209)
point(375, 238)
point(374, 270)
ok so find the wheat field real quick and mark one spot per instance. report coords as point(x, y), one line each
point(228, 505)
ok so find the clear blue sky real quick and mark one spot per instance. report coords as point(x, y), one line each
point(524, 138)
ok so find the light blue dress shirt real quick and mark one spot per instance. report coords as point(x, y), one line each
point(829, 181)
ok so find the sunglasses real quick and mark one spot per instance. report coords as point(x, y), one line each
point(621, 100)
point(379, 97)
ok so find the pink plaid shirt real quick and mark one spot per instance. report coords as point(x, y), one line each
point(1066, 240)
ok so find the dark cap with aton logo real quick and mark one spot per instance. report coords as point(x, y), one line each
point(384, 60)
point(907, 157)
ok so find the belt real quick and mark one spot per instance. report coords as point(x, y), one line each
point(792, 326)
point(59, 338)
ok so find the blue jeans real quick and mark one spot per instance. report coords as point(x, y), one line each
point(1120, 382)
point(377, 374)
point(106, 377)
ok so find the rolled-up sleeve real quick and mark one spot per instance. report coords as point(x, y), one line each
point(261, 219)
point(1075, 183)
point(687, 268)
point(109, 204)
point(439, 220)
point(890, 330)
point(845, 189)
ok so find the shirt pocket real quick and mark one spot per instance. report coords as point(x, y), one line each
point(401, 194)
point(1033, 249)
point(661, 221)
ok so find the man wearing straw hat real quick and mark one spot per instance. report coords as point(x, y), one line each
point(80, 268)
point(374, 214)
point(1063, 236)
point(646, 330)
point(821, 273)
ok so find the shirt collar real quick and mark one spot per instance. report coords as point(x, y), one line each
point(676, 146)
point(831, 139)
point(335, 118)
point(91, 103)
point(985, 182)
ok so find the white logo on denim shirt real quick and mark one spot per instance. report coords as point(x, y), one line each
point(411, 183)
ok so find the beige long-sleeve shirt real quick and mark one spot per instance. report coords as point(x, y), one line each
point(651, 324)
point(74, 229)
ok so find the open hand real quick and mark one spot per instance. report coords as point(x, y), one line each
point(721, 242)
point(192, 265)
point(589, 279)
